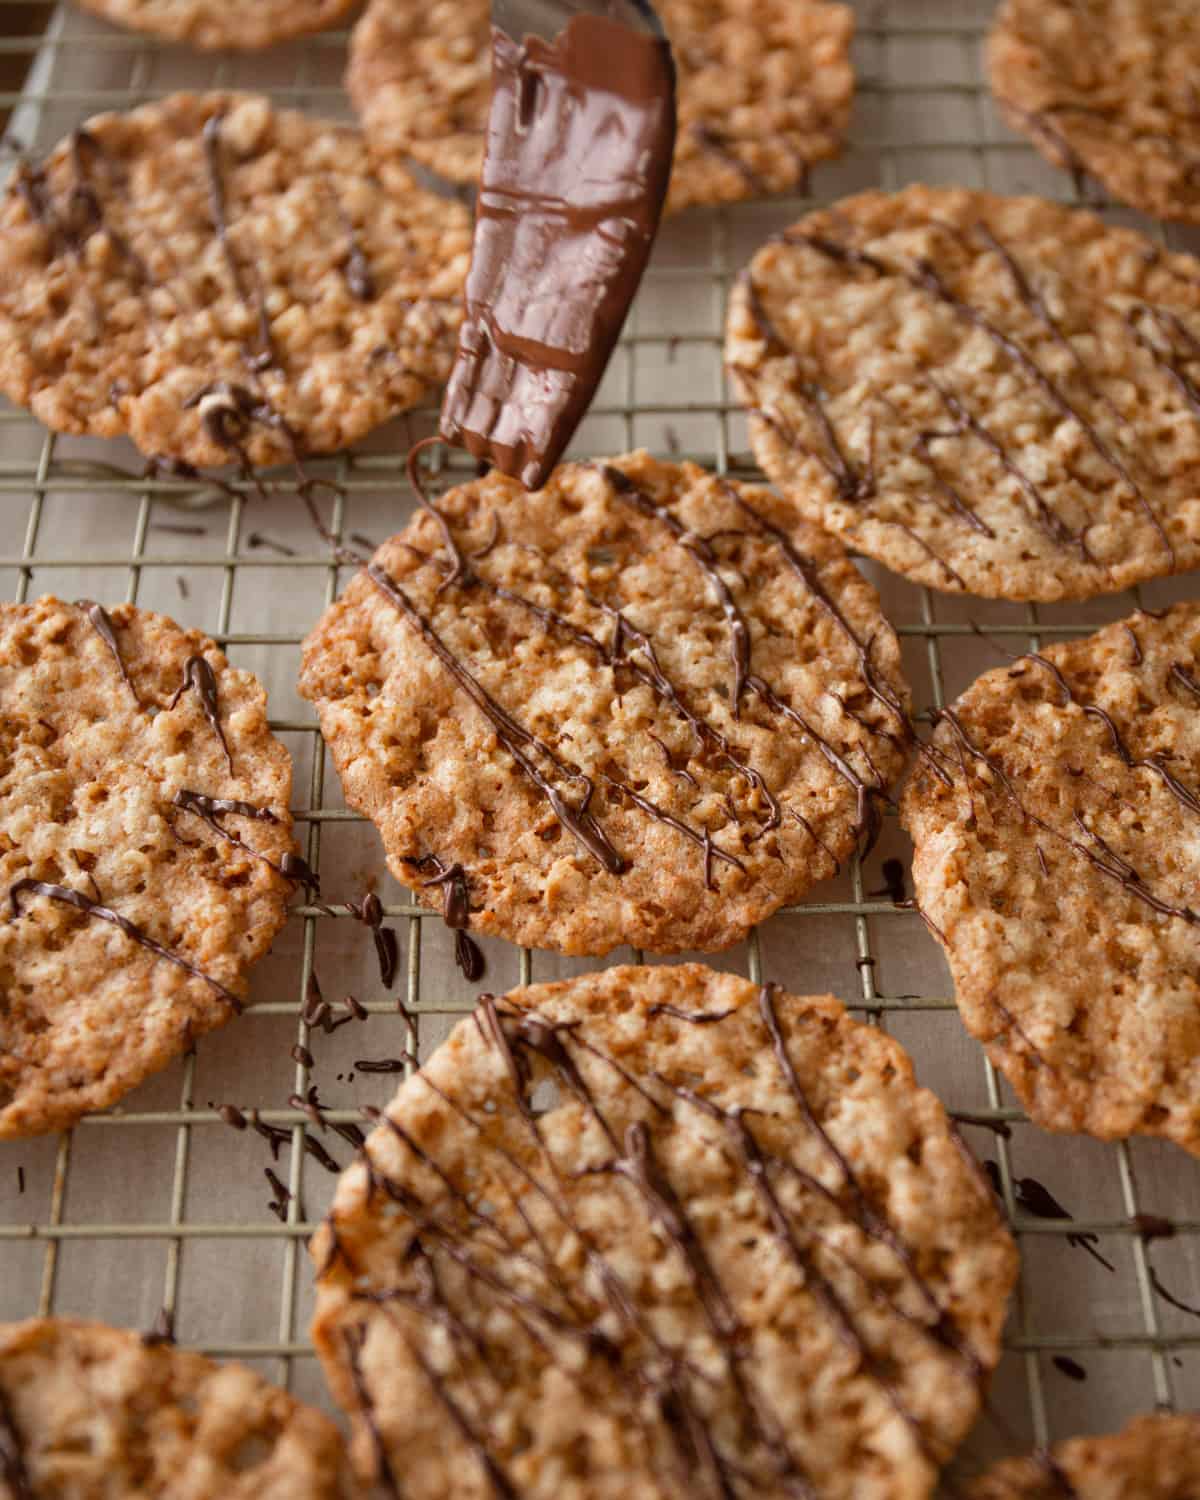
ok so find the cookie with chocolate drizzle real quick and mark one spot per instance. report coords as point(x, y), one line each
point(89, 1410)
point(1156, 1457)
point(224, 282)
point(146, 851)
point(1107, 88)
point(994, 396)
point(215, 25)
point(636, 706)
point(764, 89)
point(661, 1232)
point(1055, 817)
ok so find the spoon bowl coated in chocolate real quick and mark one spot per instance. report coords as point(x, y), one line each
point(578, 156)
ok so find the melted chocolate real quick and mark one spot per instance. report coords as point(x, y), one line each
point(211, 810)
point(101, 622)
point(353, 1340)
point(578, 154)
point(163, 1331)
point(696, 1017)
point(369, 911)
point(1069, 1367)
point(94, 910)
point(199, 675)
point(456, 913)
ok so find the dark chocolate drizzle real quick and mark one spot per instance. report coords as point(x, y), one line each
point(924, 276)
point(211, 810)
point(516, 740)
point(264, 356)
point(353, 1339)
point(101, 622)
point(456, 913)
point(100, 913)
point(520, 1038)
point(369, 911)
point(697, 547)
point(199, 675)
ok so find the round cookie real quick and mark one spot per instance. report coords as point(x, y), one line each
point(996, 396)
point(653, 1232)
point(214, 25)
point(1154, 1458)
point(1054, 819)
point(764, 89)
point(639, 712)
point(220, 280)
point(88, 1411)
point(135, 898)
point(1106, 87)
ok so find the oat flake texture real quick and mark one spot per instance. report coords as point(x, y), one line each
point(88, 784)
point(705, 706)
point(331, 303)
point(1057, 854)
point(89, 1412)
point(1107, 87)
point(731, 1247)
point(995, 396)
point(1154, 1458)
point(217, 25)
point(764, 89)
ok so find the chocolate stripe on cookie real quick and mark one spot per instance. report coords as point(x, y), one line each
point(101, 913)
point(681, 1390)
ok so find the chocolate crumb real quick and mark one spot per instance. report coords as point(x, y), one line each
point(1070, 1367)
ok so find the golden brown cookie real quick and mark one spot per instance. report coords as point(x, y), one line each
point(655, 1232)
point(89, 1412)
point(640, 710)
point(146, 853)
point(995, 396)
point(765, 88)
point(214, 25)
point(1056, 824)
point(1107, 87)
point(221, 280)
point(1154, 1458)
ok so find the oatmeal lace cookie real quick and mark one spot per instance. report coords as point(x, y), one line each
point(764, 90)
point(1107, 87)
point(1055, 820)
point(214, 25)
point(221, 280)
point(146, 853)
point(654, 1232)
point(89, 1412)
point(1154, 1458)
point(995, 396)
point(641, 705)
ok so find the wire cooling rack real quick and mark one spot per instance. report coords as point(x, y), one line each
point(159, 1204)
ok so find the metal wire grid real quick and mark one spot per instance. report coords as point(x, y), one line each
point(936, 633)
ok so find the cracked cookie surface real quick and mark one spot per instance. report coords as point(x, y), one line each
point(654, 1232)
point(764, 89)
point(1057, 833)
point(89, 1412)
point(133, 907)
point(644, 709)
point(996, 396)
point(220, 280)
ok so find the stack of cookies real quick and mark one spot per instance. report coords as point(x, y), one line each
point(655, 1230)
